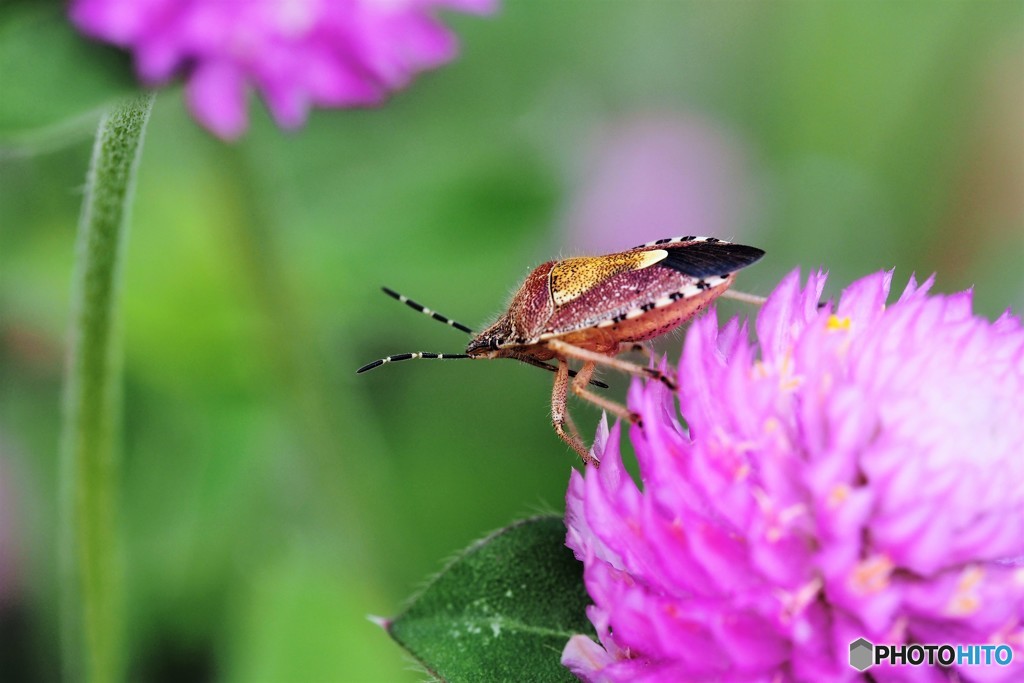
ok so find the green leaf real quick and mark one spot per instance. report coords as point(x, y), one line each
point(52, 77)
point(501, 611)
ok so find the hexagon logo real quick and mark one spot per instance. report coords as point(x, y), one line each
point(861, 651)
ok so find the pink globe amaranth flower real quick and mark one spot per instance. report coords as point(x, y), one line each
point(297, 53)
point(857, 473)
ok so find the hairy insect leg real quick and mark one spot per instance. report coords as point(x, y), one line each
point(579, 387)
point(570, 423)
point(565, 349)
point(560, 414)
point(574, 431)
point(752, 299)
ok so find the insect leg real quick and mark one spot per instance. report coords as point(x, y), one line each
point(573, 429)
point(565, 349)
point(753, 299)
point(579, 387)
point(559, 412)
point(571, 424)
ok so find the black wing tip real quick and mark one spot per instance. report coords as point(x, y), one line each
point(703, 259)
point(749, 254)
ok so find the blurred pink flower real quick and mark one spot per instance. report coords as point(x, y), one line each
point(857, 473)
point(658, 175)
point(297, 53)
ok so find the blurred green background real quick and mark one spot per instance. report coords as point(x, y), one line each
point(272, 498)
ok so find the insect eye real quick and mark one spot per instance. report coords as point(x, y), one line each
point(493, 343)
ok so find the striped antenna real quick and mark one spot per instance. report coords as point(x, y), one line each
point(450, 356)
point(456, 356)
point(410, 356)
point(426, 311)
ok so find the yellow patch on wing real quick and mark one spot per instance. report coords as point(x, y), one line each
point(572, 278)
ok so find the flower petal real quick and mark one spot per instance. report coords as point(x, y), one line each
point(861, 478)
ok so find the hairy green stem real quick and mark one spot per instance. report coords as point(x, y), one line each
point(91, 601)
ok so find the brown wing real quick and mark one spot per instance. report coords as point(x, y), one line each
point(591, 292)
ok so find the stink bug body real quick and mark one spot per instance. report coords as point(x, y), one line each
point(591, 309)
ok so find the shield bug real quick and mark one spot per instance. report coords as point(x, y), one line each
point(591, 309)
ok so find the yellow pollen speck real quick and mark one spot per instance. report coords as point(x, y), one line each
point(971, 577)
point(838, 495)
point(572, 278)
point(782, 369)
point(965, 601)
point(795, 602)
point(872, 575)
point(962, 605)
point(787, 380)
point(837, 324)
point(760, 370)
point(791, 384)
